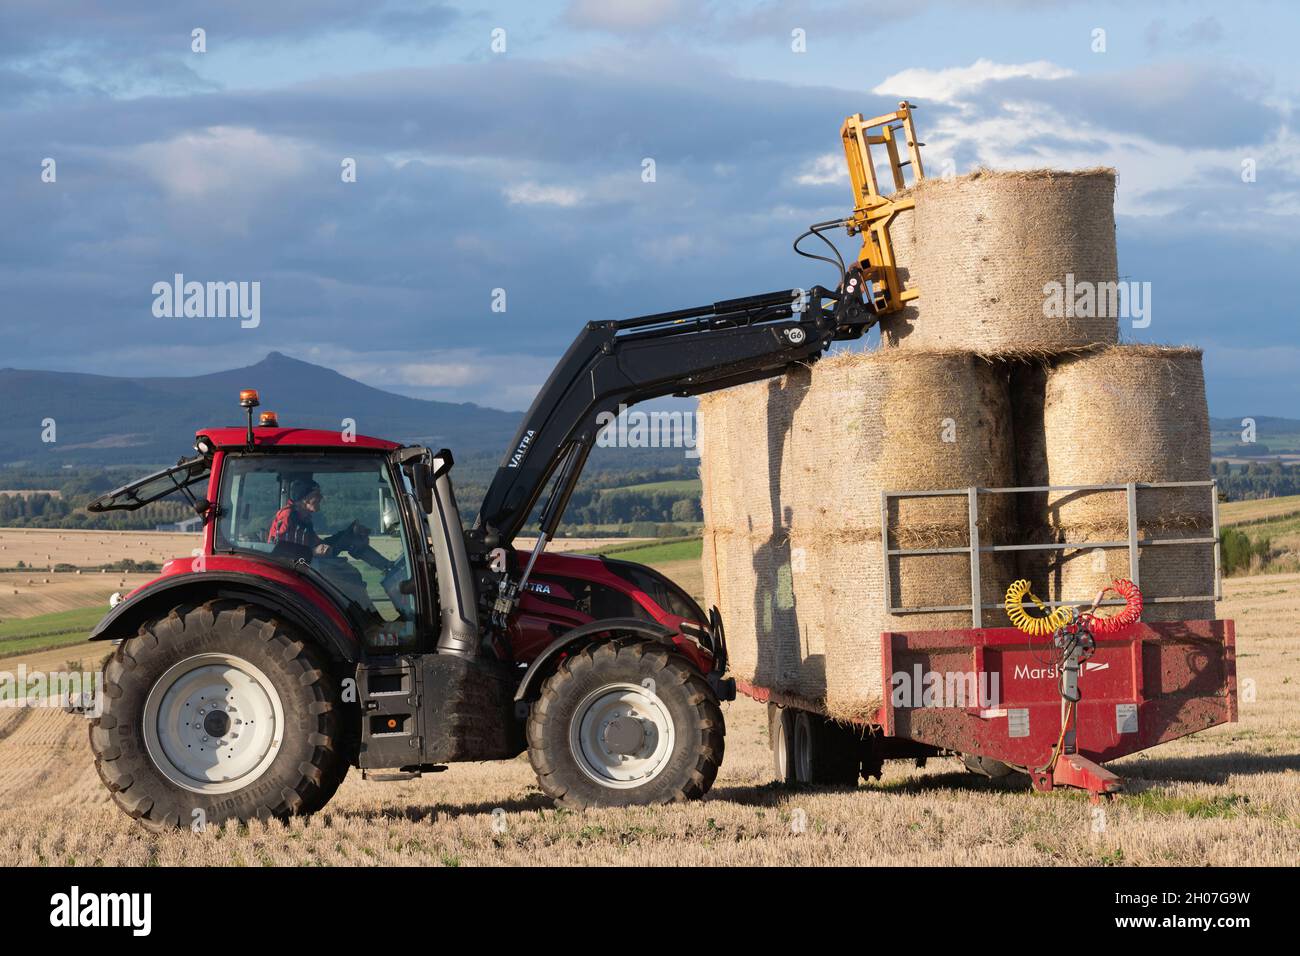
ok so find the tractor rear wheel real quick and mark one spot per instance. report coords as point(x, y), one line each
point(218, 712)
point(622, 723)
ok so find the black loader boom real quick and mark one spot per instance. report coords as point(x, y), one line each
point(614, 364)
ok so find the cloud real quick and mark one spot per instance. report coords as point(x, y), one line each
point(524, 173)
point(219, 160)
point(129, 29)
point(493, 378)
point(621, 111)
point(951, 85)
point(1184, 104)
point(1207, 31)
point(826, 168)
point(534, 194)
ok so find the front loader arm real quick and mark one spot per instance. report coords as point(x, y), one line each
point(615, 364)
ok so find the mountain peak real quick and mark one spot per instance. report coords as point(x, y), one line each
point(279, 358)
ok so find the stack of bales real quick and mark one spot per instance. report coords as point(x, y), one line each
point(976, 386)
point(793, 474)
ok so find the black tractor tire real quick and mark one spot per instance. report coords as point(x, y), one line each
point(811, 750)
point(306, 769)
point(688, 769)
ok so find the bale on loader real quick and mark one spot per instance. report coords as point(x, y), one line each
point(982, 249)
point(902, 237)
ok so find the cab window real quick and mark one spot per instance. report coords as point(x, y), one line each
point(339, 514)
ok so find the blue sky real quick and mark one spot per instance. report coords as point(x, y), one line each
point(521, 169)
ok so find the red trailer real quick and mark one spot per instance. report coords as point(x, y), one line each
point(1141, 685)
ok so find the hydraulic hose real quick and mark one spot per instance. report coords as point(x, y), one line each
point(1129, 614)
point(1035, 626)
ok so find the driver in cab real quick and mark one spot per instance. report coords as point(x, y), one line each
point(295, 539)
point(291, 531)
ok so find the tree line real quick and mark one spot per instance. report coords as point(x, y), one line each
point(1257, 479)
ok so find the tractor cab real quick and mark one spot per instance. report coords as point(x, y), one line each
point(335, 508)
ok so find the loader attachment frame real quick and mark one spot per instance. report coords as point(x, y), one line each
point(874, 211)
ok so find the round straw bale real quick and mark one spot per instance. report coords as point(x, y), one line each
point(1164, 571)
point(852, 588)
point(895, 326)
point(764, 589)
point(989, 246)
point(711, 436)
point(746, 433)
point(900, 421)
point(1128, 413)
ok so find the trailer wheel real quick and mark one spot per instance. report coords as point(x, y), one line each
point(622, 723)
point(217, 712)
point(812, 750)
point(780, 734)
point(986, 766)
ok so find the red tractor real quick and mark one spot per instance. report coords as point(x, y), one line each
point(340, 615)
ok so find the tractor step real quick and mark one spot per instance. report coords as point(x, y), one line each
point(406, 773)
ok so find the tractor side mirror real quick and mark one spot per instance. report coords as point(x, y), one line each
point(442, 462)
point(422, 479)
point(424, 474)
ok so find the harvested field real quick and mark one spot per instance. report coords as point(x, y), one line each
point(31, 593)
point(46, 547)
point(1259, 511)
point(1227, 796)
point(593, 545)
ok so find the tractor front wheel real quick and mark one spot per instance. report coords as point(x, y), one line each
point(218, 712)
point(623, 723)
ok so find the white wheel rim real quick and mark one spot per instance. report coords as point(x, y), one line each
point(781, 750)
point(213, 723)
point(636, 709)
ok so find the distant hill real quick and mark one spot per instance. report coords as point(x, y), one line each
point(1273, 436)
point(103, 420)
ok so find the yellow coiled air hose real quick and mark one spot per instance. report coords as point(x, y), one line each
point(1049, 620)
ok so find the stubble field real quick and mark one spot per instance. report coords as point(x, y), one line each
point(1229, 795)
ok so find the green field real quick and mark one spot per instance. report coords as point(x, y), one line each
point(1270, 528)
point(48, 630)
point(679, 549)
point(686, 487)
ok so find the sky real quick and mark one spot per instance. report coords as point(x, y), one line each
point(502, 146)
